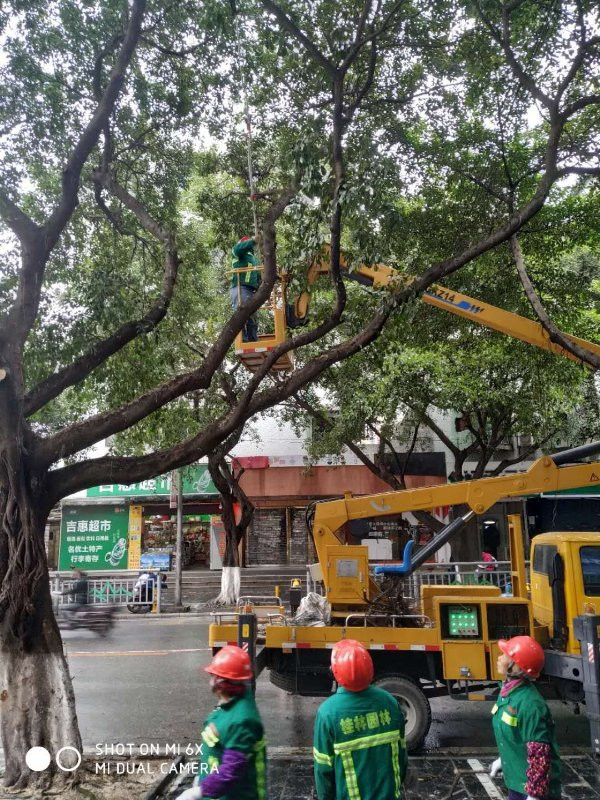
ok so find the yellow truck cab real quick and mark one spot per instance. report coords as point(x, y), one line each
point(565, 583)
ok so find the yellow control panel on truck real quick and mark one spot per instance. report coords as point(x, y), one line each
point(445, 641)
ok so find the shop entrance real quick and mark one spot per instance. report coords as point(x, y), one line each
point(159, 535)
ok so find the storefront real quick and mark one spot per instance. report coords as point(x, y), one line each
point(120, 527)
point(281, 491)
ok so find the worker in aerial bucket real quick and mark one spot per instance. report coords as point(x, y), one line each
point(245, 283)
point(523, 726)
point(359, 746)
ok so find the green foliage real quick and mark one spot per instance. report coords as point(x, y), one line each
point(441, 148)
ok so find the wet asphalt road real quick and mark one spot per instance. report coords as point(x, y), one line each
point(144, 685)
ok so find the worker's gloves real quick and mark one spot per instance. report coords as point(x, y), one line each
point(529, 797)
point(195, 793)
point(496, 768)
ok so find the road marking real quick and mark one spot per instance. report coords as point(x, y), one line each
point(92, 654)
point(484, 779)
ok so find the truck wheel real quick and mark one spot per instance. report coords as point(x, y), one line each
point(283, 680)
point(416, 708)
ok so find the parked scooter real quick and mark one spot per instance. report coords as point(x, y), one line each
point(143, 592)
point(100, 619)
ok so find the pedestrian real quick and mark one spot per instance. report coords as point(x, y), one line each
point(233, 763)
point(523, 725)
point(244, 284)
point(359, 748)
point(78, 592)
point(491, 538)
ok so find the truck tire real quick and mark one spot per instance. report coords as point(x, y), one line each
point(417, 711)
point(283, 680)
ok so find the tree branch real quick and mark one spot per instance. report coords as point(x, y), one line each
point(292, 28)
point(379, 469)
point(83, 366)
point(580, 104)
point(555, 335)
point(32, 271)
point(24, 228)
point(84, 434)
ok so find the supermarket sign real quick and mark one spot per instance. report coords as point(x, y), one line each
point(94, 537)
point(196, 481)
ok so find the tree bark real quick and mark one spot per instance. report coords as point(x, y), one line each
point(37, 703)
point(231, 492)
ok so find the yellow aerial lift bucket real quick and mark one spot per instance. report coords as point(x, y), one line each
point(253, 354)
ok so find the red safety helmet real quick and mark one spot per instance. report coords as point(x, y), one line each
point(525, 652)
point(352, 665)
point(245, 238)
point(232, 663)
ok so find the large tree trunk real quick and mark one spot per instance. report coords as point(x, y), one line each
point(37, 704)
point(230, 490)
point(230, 577)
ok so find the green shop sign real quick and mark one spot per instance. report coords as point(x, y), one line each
point(196, 481)
point(94, 537)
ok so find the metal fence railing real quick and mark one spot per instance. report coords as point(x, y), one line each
point(109, 589)
point(463, 573)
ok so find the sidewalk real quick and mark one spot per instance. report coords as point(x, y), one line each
point(437, 777)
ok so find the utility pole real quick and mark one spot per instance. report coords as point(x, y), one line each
point(179, 539)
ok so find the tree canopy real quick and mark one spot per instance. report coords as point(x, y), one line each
point(433, 131)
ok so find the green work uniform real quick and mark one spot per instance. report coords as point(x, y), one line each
point(521, 717)
point(236, 725)
point(243, 256)
point(359, 748)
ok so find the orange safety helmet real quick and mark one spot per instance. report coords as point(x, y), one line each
point(352, 665)
point(231, 663)
point(525, 652)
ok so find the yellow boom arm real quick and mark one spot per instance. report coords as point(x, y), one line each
point(544, 475)
point(382, 276)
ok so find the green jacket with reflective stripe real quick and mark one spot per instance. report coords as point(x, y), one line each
point(359, 748)
point(236, 725)
point(243, 256)
point(523, 716)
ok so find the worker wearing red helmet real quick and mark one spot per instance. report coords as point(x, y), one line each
point(245, 283)
point(523, 725)
point(233, 763)
point(359, 748)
